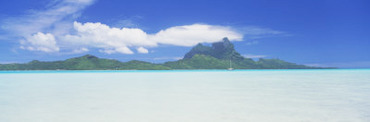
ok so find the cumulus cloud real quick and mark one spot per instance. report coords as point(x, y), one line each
point(142, 50)
point(40, 42)
point(108, 39)
point(119, 40)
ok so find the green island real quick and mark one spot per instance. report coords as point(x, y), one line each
point(221, 55)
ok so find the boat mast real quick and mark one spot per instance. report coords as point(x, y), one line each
point(230, 64)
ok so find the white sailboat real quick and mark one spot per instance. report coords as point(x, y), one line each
point(230, 68)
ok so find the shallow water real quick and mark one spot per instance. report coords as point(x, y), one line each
point(185, 96)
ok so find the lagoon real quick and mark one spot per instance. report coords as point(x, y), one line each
point(329, 95)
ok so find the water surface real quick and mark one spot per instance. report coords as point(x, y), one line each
point(185, 96)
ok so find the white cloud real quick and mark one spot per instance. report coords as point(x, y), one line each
point(53, 20)
point(123, 50)
point(190, 35)
point(40, 42)
point(55, 24)
point(119, 40)
point(80, 1)
point(108, 39)
point(80, 50)
point(255, 32)
point(45, 20)
point(142, 50)
point(254, 56)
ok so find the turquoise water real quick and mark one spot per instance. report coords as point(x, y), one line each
point(185, 96)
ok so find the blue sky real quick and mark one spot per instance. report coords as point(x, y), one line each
point(314, 32)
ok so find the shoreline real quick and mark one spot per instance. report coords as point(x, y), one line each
point(177, 70)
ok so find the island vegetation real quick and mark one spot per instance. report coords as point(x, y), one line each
point(217, 56)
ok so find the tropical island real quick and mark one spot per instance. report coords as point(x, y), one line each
point(218, 56)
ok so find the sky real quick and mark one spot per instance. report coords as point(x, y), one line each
point(333, 33)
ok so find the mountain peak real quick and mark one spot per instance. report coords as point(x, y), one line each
point(88, 56)
point(85, 57)
point(224, 45)
point(226, 40)
point(221, 50)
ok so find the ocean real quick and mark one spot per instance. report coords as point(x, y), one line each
point(327, 95)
